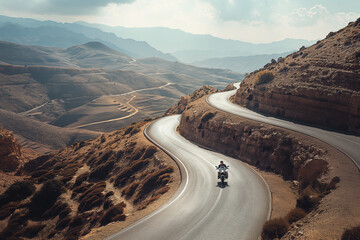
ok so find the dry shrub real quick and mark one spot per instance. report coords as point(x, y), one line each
point(8, 209)
point(108, 203)
point(207, 116)
point(351, 234)
point(39, 173)
point(81, 178)
point(295, 215)
point(128, 172)
point(17, 192)
point(264, 77)
point(32, 231)
point(102, 171)
point(92, 197)
point(81, 189)
point(135, 130)
point(153, 181)
point(332, 184)
point(307, 202)
point(111, 193)
point(73, 233)
point(65, 212)
point(45, 198)
point(35, 163)
point(114, 213)
point(149, 152)
point(104, 157)
point(128, 130)
point(55, 210)
point(62, 223)
point(130, 190)
point(69, 172)
point(18, 219)
point(137, 154)
point(274, 228)
point(16, 222)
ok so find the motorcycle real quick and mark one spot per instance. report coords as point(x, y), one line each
point(223, 173)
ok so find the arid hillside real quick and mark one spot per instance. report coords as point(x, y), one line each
point(78, 190)
point(86, 87)
point(318, 85)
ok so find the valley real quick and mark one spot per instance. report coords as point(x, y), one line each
point(107, 137)
point(91, 83)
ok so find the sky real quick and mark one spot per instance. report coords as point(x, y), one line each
point(257, 21)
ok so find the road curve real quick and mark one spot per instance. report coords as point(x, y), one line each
point(346, 143)
point(199, 209)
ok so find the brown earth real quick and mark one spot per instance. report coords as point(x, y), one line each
point(319, 84)
point(90, 189)
point(307, 164)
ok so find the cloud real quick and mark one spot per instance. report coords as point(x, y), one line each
point(247, 20)
point(244, 10)
point(302, 17)
point(60, 7)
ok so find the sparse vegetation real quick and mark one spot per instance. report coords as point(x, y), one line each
point(93, 197)
point(45, 198)
point(274, 229)
point(102, 170)
point(95, 203)
point(16, 192)
point(351, 234)
point(295, 215)
point(207, 116)
point(264, 77)
point(114, 213)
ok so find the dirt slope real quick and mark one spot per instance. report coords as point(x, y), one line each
point(78, 191)
point(319, 84)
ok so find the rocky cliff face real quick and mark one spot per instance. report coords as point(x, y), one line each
point(319, 84)
point(10, 155)
point(268, 148)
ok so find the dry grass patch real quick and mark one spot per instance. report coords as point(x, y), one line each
point(274, 229)
point(114, 213)
point(351, 234)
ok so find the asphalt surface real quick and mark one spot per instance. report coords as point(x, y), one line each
point(200, 209)
point(347, 143)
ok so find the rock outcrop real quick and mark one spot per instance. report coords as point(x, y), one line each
point(267, 147)
point(186, 100)
point(10, 154)
point(318, 85)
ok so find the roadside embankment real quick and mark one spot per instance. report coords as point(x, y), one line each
point(310, 167)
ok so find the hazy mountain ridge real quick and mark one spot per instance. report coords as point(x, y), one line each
point(49, 33)
point(189, 47)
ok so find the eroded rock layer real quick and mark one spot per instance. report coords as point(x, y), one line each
point(267, 147)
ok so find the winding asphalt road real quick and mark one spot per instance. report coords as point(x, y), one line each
point(200, 209)
point(346, 143)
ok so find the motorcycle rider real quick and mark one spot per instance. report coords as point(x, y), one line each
point(222, 165)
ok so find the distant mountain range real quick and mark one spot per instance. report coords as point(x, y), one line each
point(165, 43)
point(52, 34)
point(189, 47)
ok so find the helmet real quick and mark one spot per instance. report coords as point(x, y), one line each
point(221, 162)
